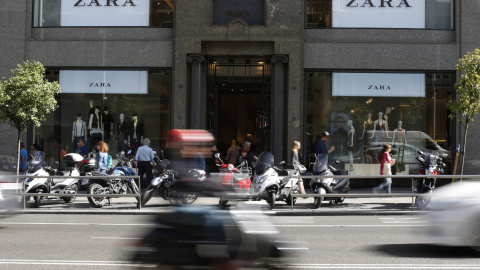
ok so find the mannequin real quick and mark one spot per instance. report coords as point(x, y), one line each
point(387, 111)
point(399, 135)
point(367, 125)
point(380, 125)
point(122, 133)
point(79, 131)
point(95, 127)
point(399, 140)
point(107, 122)
point(350, 144)
point(136, 135)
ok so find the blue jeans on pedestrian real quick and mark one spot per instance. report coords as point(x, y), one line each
point(386, 183)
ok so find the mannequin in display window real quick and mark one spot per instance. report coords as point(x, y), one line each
point(380, 128)
point(79, 131)
point(367, 125)
point(136, 134)
point(107, 122)
point(350, 142)
point(388, 110)
point(122, 133)
point(398, 142)
point(380, 132)
point(95, 127)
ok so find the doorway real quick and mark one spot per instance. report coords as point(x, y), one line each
point(239, 101)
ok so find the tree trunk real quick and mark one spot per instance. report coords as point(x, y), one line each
point(464, 148)
point(18, 154)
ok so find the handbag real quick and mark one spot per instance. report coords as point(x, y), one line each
point(387, 169)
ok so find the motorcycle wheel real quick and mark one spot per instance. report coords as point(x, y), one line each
point(317, 202)
point(423, 201)
point(36, 201)
point(271, 199)
point(289, 199)
point(223, 203)
point(74, 188)
point(134, 189)
point(188, 198)
point(147, 195)
point(97, 202)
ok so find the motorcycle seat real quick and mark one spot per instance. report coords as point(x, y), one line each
point(319, 173)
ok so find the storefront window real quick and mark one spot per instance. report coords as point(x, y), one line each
point(84, 13)
point(100, 106)
point(364, 111)
point(414, 14)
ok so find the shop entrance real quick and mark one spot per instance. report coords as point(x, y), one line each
point(239, 101)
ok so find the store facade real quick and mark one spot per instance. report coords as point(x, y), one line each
point(268, 71)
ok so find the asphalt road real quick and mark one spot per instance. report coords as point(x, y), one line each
point(64, 241)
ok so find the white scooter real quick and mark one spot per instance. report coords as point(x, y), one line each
point(49, 185)
point(325, 184)
point(273, 184)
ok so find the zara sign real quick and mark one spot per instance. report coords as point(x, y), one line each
point(378, 13)
point(105, 13)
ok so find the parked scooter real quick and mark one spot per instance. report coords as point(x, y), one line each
point(49, 185)
point(273, 184)
point(327, 185)
point(233, 178)
point(113, 185)
point(200, 237)
point(164, 182)
point(430, 165)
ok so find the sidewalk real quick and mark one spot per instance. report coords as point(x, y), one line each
point(302, 207)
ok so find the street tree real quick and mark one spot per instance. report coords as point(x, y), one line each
point(467, 103)
point(26, 98)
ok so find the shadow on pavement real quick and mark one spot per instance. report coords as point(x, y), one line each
point(427, 251)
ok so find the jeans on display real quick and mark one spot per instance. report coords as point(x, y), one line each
point(386, 183)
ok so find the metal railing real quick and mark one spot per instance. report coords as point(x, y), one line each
point(368, 195)
point(133, 177)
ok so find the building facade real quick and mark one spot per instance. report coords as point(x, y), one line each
point(265, 71)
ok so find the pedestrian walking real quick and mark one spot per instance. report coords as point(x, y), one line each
point(145, 159)
point(297, 160)
point(102, 156)
point(385, 169)
point(23, 159)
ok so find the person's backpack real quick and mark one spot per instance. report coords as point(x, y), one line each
point(109, 161)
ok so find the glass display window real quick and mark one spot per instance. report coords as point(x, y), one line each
point(406, 14)
point(100, 13)
point(363, 111)
point(119, 118)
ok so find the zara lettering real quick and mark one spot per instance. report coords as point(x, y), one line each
point(99, 84)
point(383, 3)
point(379, 87)
point(107, 3)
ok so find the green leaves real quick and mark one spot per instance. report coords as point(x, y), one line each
point(467, 104)
point(26, 98)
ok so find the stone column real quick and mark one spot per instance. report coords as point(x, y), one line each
point(196, 89)
point(279, 82)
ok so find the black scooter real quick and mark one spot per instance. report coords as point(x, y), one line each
point(430, 165)
point(164, 181)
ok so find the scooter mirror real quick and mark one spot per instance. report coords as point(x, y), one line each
point(217, 155)
point(129, 152)
point(337, 161)
point(255, 158)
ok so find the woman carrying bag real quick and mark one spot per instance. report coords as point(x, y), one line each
point(385, 169)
